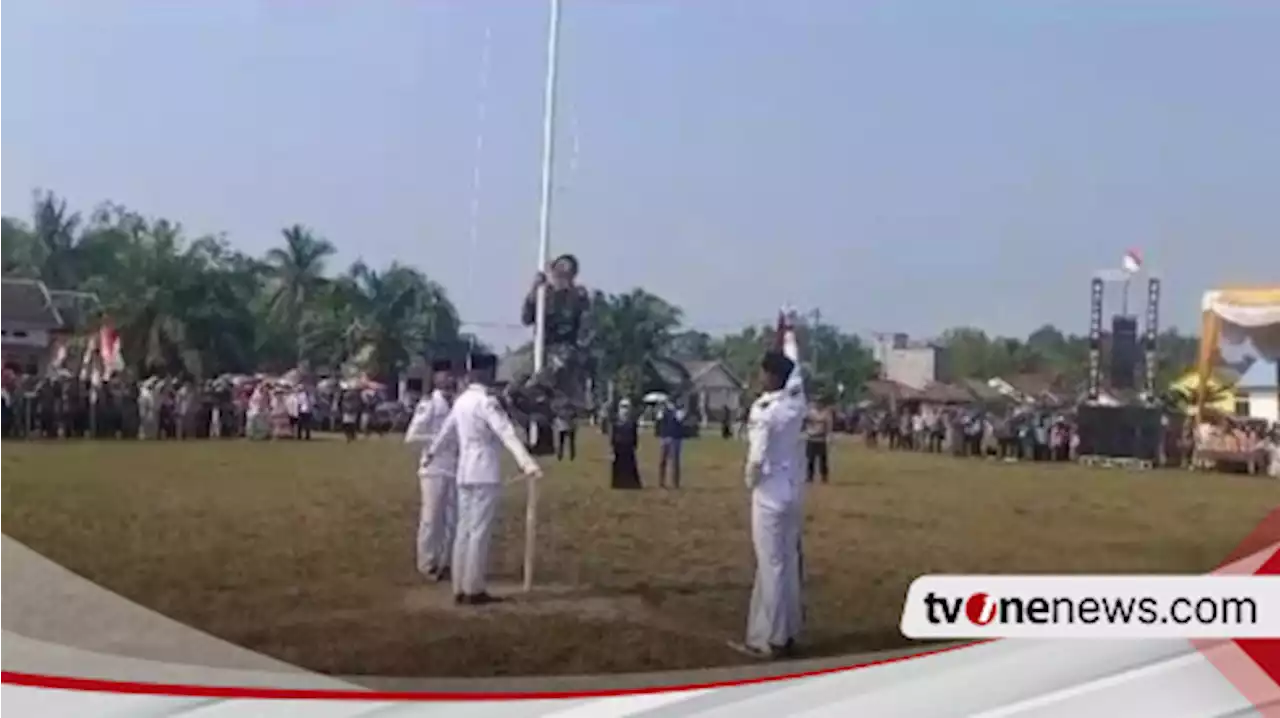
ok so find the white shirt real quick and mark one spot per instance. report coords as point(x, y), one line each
point(480, 426)
point(428, 419)
point(304, 402)
point(776, 440)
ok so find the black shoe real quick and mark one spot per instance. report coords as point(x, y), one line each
point(461, 599)
point(443, 575)
point(483, 599)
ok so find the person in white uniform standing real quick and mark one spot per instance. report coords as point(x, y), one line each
point(775, 474)
point(437, 475)
point(481, 428)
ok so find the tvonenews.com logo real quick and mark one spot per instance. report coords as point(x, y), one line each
point(983, 609)
point(1092, 606)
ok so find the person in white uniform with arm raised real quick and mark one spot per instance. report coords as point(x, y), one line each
point(775, 472)
point(481, 429)
point(437, 475)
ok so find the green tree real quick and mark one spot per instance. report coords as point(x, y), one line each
point(627, 331)
point(296, 276)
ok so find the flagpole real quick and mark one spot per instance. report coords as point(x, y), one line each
point(544, 246)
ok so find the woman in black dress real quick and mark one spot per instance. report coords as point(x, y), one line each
point(624, 437)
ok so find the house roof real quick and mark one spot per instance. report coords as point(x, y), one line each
point(943, 393)
point(700, 370)
point(888, 389)
point(981, 390)
point(74, 308)
point(671, 372)
point(27, 304)
point(1261, 376)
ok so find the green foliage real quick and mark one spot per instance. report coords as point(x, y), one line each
point(202, 307)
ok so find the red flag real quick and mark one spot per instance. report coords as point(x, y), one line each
point(109, 348)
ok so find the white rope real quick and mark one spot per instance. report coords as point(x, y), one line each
point(482, 111)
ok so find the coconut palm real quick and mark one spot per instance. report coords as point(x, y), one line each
point(627, 332)
point(399, 314)
point(296, 271)
point(21, 256)
point(56, 231)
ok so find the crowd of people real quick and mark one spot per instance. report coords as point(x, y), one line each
point(162, 408)
point(968, 431)
point(1033, 434)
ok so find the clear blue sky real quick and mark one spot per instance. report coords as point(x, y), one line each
point(905, 165)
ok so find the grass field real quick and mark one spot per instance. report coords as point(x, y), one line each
point(304, 552)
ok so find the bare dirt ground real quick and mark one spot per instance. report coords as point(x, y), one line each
point(305, 552)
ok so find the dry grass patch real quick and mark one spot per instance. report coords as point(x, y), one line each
point(304, 552)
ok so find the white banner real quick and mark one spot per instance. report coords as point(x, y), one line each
point(1101, 607)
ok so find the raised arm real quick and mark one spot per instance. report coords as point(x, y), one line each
point(498, 421)
point(529, 312)
point(786, 338)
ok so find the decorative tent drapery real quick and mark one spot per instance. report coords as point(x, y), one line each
point(1235, 316)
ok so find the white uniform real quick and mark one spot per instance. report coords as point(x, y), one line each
point(481, 428)
point(775, 473)
point(437, 479)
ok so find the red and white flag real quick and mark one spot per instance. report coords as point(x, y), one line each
point(1132, 261)
point(109, 349)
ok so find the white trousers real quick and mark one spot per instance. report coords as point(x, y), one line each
point(477, 507)
point(437, 521)
point(776, 613)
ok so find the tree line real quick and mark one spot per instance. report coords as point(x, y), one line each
point(199, 306)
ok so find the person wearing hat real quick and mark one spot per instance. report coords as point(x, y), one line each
point(775, 475)
point(480, 428)
point(566, 309)
point(437, 475)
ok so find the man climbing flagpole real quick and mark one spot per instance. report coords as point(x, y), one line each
point(544, 247)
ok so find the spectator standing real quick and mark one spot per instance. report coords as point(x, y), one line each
point(670, 438)
point(817, 432)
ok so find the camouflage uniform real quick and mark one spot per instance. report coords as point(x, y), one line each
point(566, 365)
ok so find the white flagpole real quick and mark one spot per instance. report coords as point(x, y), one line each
point(544, 242)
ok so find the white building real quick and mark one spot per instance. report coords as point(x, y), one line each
point(1256, 393)
point(910, 363)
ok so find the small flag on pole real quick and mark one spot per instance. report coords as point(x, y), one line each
point(1132, 261)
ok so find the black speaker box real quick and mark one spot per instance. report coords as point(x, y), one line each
point(1124, 352)
point(1131, 432)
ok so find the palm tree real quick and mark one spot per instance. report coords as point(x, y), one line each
point(399, 314)
point(149, 296)
point(628, 332)
point(52, 248)
point(297, 274)
point(21, 257)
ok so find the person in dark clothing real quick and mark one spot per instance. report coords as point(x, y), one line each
point(565, 371)
point(670, 431)
point(350, 406)
point(726, 423)
point(624, 437)
point(565, 425)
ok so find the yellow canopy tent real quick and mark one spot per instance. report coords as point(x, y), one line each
point(1235, 316)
